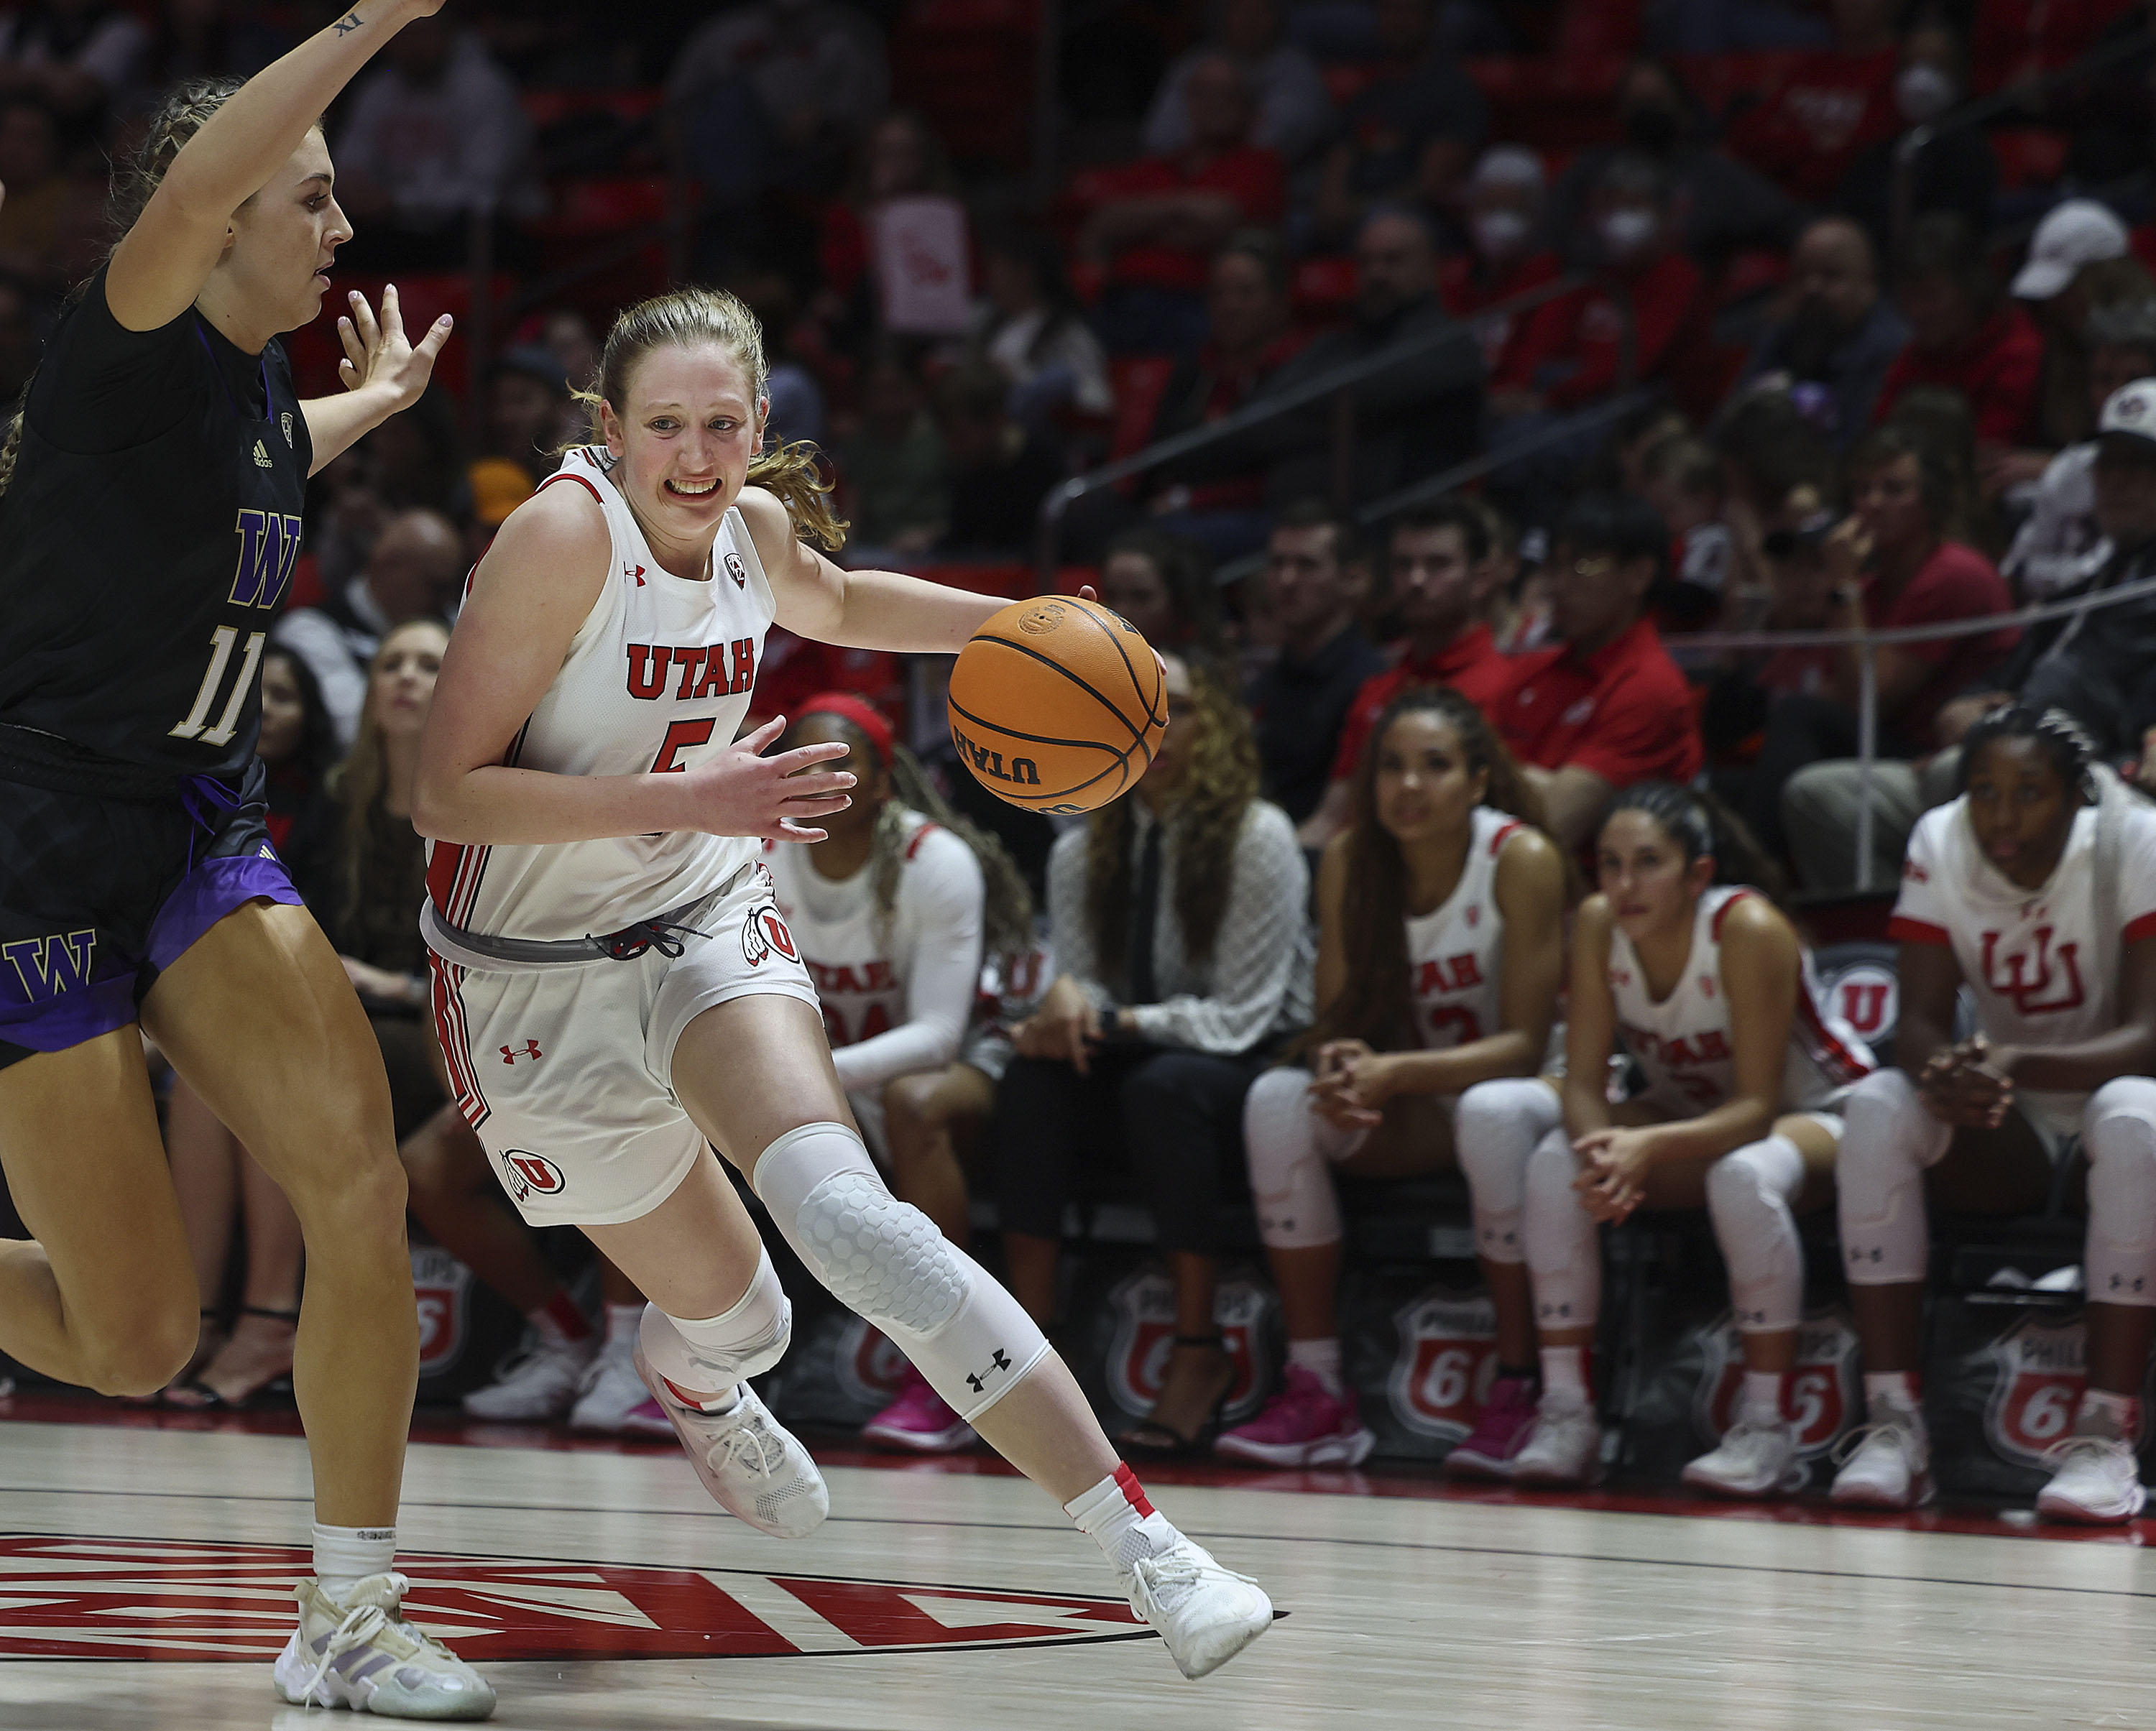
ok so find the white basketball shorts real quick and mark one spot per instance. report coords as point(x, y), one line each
point(564, 1068)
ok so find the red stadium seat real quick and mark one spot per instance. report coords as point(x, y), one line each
point(1139, 380)
point(1550, 104)
point(1724, 82)
point(2030, 156)
point(1323, 290)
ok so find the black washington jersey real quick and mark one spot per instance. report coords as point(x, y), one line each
point(146, 539)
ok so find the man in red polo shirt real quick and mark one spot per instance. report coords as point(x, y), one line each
point(1964, 334)
point(1607, 709)
point(1440, 576)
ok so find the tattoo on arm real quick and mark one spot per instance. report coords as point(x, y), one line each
point(349, 23)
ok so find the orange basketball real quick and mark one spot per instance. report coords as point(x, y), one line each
point(1057, 704)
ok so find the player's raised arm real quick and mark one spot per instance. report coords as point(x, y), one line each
point(161, 266)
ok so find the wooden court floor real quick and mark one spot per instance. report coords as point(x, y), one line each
point(144, 1575)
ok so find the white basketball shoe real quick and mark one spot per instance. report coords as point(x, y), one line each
point(752, 1464)
point(539, 1386)
point(1563, 1452)
point(1891, 1464)
point(2097, 1483)
point(1753, 1462)
point(362, 1654)
point(613, 1401)
point(1205, 1614)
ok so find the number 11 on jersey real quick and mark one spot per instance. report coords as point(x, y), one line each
point(221, 641)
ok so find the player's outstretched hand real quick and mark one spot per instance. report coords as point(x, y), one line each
point(740, 792)
point(379, 355)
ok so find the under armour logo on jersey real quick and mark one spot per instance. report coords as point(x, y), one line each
point(980, 1380)
point(635, 572)
point(530, 1049)
point(737, 571)
point(262, 457)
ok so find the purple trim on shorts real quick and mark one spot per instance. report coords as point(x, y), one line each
point(212, 890)
point(57, 1023)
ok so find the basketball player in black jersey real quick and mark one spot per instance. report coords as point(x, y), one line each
point(150, 503)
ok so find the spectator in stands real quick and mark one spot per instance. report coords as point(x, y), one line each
point(527, 410)
point(894, 475)
point(1571, 351)
point(1830, 108)
point(434, 139)
point(1032, 326)
point(1317, 573)
point(1290, 112)
point(1963, 334)
point(2019, 873)
point(1153, 225)
point(412, 571)
point(1162, 584)
point(1407, 136)
point(775, 93)
point(1682, 478)
point(1897, 564)
point(2062, 290)
point(1955, 170)
point(1721, 205)
point(1841, 335)
point(1942, 421)
point(1178, 916)
point(75, 56)
point(1607, 707)
point(1217, 495)
point(899, 157)
point(1439, 956)
point(1440, 582)
point(1508, 253)
point(32, 217)
point(1413, 418)
point(999, 472)
point(2059, 545)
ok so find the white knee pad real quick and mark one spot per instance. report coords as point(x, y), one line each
point(2118, 1133)
point(1288, 1147)
point(1888, 1140)
point(1496, 1129)
point(885, 1260)
point(710, 1354)
point(1564, 1256)
point(1748, 1193)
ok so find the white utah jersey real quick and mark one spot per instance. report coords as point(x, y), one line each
point(897, 992)
point(2042, 972)
point(1455, 955)
point(1684, 1043)
point(657, 678)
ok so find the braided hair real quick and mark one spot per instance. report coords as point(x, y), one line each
point(1699, 824)
point(2063, 741)
point(185, 111)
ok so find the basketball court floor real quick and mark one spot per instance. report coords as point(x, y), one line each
point(145, 1562)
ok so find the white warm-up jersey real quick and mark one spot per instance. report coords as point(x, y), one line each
point(2041, 971)
point(1684, 1042)
point(897, 994)
point(1455, 950)
point(658, 677)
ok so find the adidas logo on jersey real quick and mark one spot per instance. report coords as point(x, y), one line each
point(262, 456)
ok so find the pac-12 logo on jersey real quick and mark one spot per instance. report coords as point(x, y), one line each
point(530, 1175)
point(737, 571)
point(764, 931)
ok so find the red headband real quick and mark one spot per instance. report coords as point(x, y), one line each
point(862, 715)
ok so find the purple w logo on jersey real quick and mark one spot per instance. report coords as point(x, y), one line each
point(269, 545)
point(49, 967)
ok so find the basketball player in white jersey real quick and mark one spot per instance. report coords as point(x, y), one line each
point(1440, 949)
point(616, 988)
point(892, 913)
point(2035, 892)
point(1704, 982)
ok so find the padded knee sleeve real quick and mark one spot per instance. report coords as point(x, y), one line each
point(1288, 1147)
point(1564, 1258)
point(711, 1354)
point(1887, 1141)
point(1496, 1129)
point(2118, 1131)
point(1748, 1193)
point(885, 1260)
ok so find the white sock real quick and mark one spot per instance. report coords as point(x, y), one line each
point(344, 1556)
point(622, 1321)
point(1321, 1358)
point(1762, 1400)
point(1115, 1516)
point(1896, 1389)
point(2114, 1417)
point(1564, 1372)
